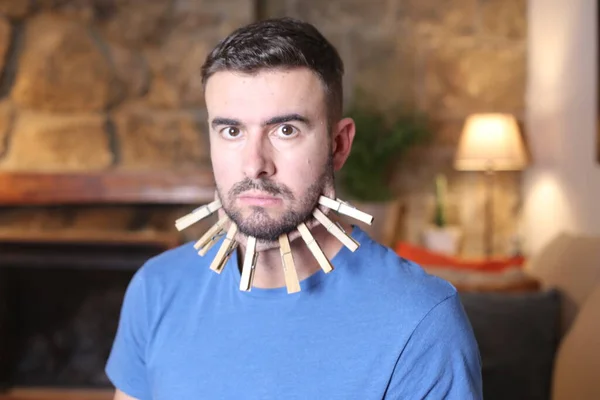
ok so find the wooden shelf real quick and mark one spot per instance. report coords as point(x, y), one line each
point(109, 187)
point(80, 236)
point(77, 249)
point(58, 394)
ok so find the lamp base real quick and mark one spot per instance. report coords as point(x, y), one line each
point(490, 176)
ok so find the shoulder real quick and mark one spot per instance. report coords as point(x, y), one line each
point(173, 279)
point(397, 283)
point(177, 267)
point(175, 259)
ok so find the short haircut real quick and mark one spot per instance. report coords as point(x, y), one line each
point(281, 43)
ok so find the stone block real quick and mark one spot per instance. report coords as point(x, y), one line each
point(209, 18)
point(82, 10)
point(150, 139)
point(6, 121)
point(175, 66)
point(134, 23)
point(5, 39)
point(15, 8)
point(131, 70)
point(274, 9)
point(346, 14)
point(61, 68)
point(44, 142)
point(463, 76)
point(435, 17)
point(383, 69)
point(33, 218)
point(113, 218)
point(504, 18)
point(175, 61)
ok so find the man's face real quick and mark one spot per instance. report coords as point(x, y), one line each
point(270, 147)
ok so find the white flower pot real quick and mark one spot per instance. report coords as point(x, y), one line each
point(386, 217)
point(444, 240)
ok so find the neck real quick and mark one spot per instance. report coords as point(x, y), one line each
point(269, 271)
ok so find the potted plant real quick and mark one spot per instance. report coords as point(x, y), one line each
point(381, 140)
point(439, 236)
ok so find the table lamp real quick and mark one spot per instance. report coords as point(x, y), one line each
point(490, 142)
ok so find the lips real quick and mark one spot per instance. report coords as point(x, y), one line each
point(258, 199)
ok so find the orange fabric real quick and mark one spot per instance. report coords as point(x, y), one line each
point(426, 257)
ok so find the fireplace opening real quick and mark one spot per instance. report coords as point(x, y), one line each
point(69, 245)
point(59, 308)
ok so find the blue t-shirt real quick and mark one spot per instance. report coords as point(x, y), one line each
point(377, 327)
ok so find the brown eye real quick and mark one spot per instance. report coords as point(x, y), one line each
point(231, 132)
point(287, 130)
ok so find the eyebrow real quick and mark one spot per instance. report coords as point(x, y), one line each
point(224, 121)
point(271, 121)
point(288, 118)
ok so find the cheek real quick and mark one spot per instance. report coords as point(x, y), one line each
point(223, 169)
point(301, 174)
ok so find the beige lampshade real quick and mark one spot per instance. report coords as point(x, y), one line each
point(490, 142)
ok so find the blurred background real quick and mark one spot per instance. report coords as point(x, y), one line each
point(477, 152)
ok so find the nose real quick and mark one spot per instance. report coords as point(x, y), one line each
point(257, 161)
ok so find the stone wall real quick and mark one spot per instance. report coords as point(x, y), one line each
point(447, 58)
point(103, 84)
point(114, 84)
point(99, 85)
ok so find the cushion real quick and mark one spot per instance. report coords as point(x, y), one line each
point(517, 336)
point(577, 365)
point(426, 257)
point(571, 264)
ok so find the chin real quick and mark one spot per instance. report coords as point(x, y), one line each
point(261, 223)
point(264, 231)
point(265, 227)
point(260, 215)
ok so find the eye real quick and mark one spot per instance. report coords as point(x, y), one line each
point(286, 131)
point(230, 132)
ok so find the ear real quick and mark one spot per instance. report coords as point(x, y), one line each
point(342, 137)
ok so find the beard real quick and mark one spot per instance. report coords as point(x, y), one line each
point(259, 223)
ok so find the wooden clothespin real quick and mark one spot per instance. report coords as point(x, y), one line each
point(249, 265)
point(336, 230)
point(211, 236)
point(289, 268)
point(344, 208)
point(227, 247)
point(314, 248)
point(198, 214)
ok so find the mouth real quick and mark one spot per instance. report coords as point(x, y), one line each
point(259, 199)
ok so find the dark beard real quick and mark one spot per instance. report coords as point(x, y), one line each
point(259, 224)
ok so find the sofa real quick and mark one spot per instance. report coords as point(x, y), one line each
point(537, 341)
point(570, 264)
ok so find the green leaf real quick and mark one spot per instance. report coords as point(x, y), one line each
point(380, 142)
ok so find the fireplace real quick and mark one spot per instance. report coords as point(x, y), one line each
point(61, 289)
point(103, 144)
point(61, 307)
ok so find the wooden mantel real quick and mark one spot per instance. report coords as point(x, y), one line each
point(109, 187)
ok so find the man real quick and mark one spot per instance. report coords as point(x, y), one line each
point(377, 327)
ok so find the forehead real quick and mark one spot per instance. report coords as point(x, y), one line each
point(264, 94)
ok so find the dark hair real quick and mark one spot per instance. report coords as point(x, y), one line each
point(281, 43)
